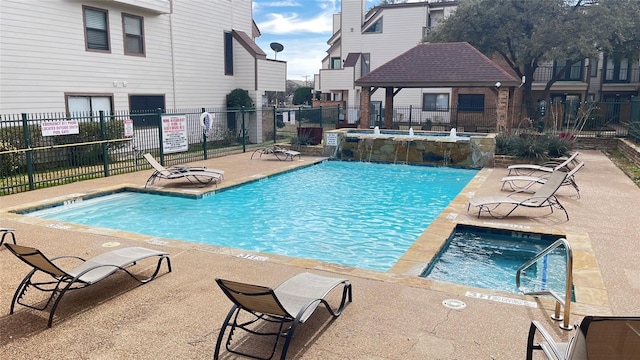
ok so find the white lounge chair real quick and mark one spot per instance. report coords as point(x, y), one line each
point(48, 277)
point(195, 175)
point(289, 304)
point(549, 167)
point(544, 197)
point(524, 183)
point(278, 152)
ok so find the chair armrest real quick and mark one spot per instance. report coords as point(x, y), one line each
point(550, 343)
point(67, 257)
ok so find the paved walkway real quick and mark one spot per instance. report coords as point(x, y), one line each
point(394, 315)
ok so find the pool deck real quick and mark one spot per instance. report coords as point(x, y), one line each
point(394, 315)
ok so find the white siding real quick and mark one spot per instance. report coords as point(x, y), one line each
point(271, 74)
point(43, 56)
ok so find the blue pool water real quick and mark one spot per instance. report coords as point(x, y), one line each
point(364, 215)
point(489, 259)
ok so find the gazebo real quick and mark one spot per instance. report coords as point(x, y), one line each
point(430, 65)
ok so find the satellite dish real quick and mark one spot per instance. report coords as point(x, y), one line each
point(277, 47)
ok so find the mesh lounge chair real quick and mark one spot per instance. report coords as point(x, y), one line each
point(5, 232)
point(530, 169)
point(544, 197)
point(195, 175)
point(596, 338)
point(278, 152)
point(524, 183)
point(289, 304)
point(89, 272)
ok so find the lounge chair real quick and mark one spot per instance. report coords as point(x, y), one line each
point(195, 175)
point(278, 152)
point(524, 183)
point(549, 167)
point(89, 272)
point(597, 337)
point(289, 304)
point(5, 232)
point(544, 197)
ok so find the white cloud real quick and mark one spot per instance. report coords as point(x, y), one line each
point(293, 22)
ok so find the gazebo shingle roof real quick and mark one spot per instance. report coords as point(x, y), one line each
point(439, 65)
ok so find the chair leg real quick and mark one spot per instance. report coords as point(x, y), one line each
point(223, 329)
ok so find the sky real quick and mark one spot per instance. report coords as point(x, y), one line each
point(302, 27)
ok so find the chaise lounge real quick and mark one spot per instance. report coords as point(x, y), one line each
point(544, 197)
point(48, 277)
point(524, 183)
point(549, 167)
point(596, 338)
point(195, 175)
point(289, 304)
point(278, 152)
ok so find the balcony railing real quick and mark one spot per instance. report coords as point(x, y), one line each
point(545, 73)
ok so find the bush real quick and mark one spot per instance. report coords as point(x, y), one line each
point(532, 147)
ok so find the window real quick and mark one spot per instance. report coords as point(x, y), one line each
point(335, 63)
point(89, 103)
point(435, 102)
point(471, 102)
point(133, 30)
point(96, 29)
point(617, 70)
point(375, 28)
point(365, 64)
point(228, 53)
point(573, 73)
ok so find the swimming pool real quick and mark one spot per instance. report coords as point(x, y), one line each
point(364, 215)
point(489, 258)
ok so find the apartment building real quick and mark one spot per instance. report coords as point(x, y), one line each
point(111, 55)
point(362, 41)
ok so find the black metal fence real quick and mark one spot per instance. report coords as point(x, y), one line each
point(42, 150)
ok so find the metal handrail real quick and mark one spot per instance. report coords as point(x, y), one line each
point(566, 302)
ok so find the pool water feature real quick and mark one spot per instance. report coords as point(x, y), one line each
point(363, 215)
point(489, 258)
point(468, 150)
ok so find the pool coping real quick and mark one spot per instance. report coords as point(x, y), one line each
point(590, 293)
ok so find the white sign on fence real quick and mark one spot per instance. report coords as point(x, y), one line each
point(60, 127)
point(174, 133)
point(128, 127)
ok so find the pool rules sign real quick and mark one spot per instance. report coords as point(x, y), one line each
point(174, 133)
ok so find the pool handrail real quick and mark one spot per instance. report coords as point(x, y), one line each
point(566, 302)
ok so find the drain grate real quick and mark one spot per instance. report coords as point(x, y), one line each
point(454, 304)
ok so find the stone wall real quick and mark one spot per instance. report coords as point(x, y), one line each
point(630, 150)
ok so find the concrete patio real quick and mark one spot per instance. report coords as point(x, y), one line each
point(394, 315)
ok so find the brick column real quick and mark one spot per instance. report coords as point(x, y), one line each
point(502, 111)
point(388, 108)
point(365, 103)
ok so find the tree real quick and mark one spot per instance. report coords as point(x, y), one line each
point(526, 34)
point(238, 98)
point(302, 95)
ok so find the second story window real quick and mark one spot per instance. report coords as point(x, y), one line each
point(96, 29)
point(133, 31)
point(365, 64)
point(573, 73)
point(335, 63)
point(375, 28)
point(616, 70)
point(228, 53)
